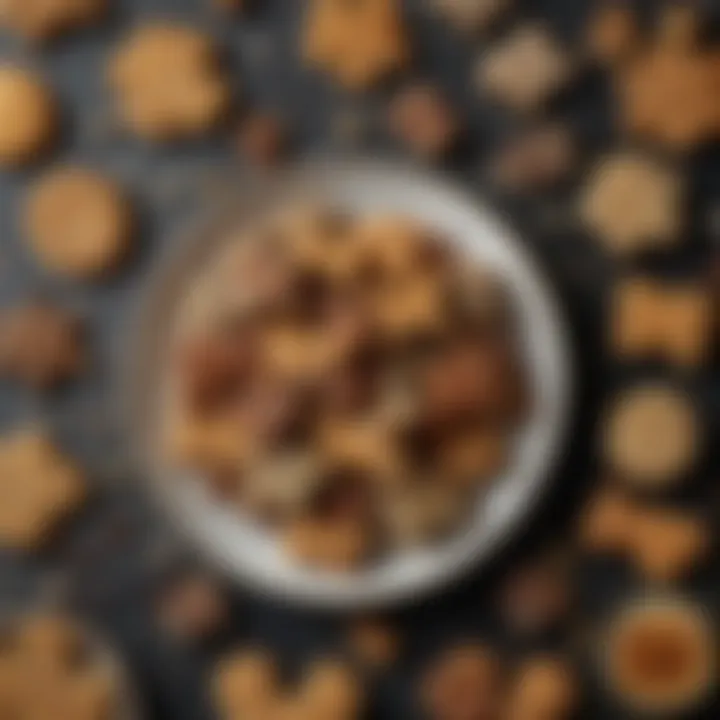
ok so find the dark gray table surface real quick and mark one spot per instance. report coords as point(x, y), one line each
point(111, 560)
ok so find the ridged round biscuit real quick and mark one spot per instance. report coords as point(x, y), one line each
point(652, 435)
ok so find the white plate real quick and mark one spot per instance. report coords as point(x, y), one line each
point(245, 551)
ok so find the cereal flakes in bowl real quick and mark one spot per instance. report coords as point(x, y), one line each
point(350, 389)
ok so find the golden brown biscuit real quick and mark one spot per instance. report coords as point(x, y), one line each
point(245, 684)
point(77, 222)
point(358, 44)
point(633, 204)
point(667, 544)
point(464, 682)
point(525, 70)
point(606, 523)
point(669, 93)
point(168, 82)
point(39, 487)
point(543, 689)
point(50, 669)
point(660, 656)
point(652, 318)
point(29, 116)
point(40, 20)
point(40, 346)
point(331, 690)
point(652, 436)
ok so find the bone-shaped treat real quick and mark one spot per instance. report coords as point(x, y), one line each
point(670, 321)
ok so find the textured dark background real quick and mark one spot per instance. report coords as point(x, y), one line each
point(110, 561)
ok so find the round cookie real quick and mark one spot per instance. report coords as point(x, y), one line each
point(660, 656)
point(651, 435)
point(78, 222)
point(28, 114)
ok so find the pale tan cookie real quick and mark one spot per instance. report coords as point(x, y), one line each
point(652, 436)
point(463, 682)
point(472, 16)
point(29, 116)
point(544, 688)
point(78, 222)
point(357, 43)
point(633, 204)
point(659, 655)
point(169, 83)
point(40, 345)
point(657, 319)
point(41, 20)
point(39, 487)
point(525, 70)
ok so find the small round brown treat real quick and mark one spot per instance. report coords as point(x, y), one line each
point(29, 116)
point(606, 523)
point(229, 6)
point(192, 607)
point(40, 345)
point(612, 33)
point(652, 436)
point(537, 597)
point(544, 689)
point(537, 159)
point(168, 82)
point(464, 682)
point(423, 119)
point(374, 641)
point(39, 20)
point(666, 544)
point(261, 140)
point(39, 487)
point(245, 684)
point(660, 656)
point(331, 690)
point(78, 222)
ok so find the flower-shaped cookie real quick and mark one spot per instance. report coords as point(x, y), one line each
point(168, 82)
